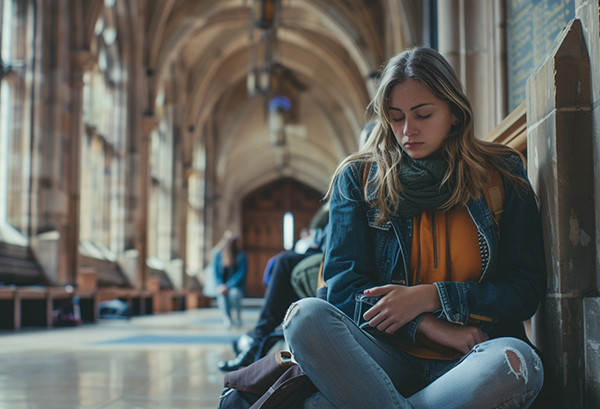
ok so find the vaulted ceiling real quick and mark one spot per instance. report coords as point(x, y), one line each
point(327, 52)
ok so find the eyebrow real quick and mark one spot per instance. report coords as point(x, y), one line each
point(413, 108)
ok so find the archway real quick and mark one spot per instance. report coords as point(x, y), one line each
point(263, 211)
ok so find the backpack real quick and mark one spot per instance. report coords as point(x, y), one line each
point(272, 382)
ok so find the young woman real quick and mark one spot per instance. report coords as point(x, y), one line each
point(412, 234)
point(230, 272)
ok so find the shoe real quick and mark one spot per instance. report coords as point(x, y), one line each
point(242, 344)
point(244, 358)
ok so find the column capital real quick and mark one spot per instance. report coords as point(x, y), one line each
point(149, 124)
point(83, 60)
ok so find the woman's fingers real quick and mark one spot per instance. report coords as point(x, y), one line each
point(379, 291)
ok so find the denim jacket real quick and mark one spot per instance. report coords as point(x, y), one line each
point(237, 277)
point(361, 255)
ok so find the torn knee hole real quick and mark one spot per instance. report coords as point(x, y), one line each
point(513, 361)
point(516, 363)
point(291, 311)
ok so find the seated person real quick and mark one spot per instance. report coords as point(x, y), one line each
point(230, 273)
point(428, 283)
point(279, 296)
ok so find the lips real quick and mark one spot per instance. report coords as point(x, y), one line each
point(412, 145)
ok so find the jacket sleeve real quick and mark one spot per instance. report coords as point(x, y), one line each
point(350, 266)
point(514, 292)
point(349, 261)
point(237, 278)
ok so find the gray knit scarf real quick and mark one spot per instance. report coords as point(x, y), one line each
point(422, 188)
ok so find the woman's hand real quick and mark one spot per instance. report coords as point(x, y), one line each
point(454, 336)
point(400, 304)
point(222, 289)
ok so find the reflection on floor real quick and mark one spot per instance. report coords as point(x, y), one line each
point(164, 361)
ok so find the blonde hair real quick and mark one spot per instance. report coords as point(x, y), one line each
point(470, 160)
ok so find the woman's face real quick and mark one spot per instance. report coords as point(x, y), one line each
point(419, 119)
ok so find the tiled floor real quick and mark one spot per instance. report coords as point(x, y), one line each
point(164, 361)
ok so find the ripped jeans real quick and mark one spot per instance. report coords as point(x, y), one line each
point(353, 369)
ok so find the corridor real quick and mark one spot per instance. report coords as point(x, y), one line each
point(166, 361)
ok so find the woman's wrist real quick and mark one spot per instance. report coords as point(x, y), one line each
point(432, 298)
point(426, 323)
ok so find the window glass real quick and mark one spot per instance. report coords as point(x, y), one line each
point(160, 224)
point(15, 119)
point(5, 124)
point(288, 231)
point(101, 215)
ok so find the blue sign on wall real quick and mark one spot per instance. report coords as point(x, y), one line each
point(532, 27)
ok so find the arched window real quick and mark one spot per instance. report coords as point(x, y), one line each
point(160, 221)
point(102, 148)
point(195, 212)
point(288, 231)
point(16, 16)
point(5, 126)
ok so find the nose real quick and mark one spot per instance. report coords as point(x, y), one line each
point(410, 128)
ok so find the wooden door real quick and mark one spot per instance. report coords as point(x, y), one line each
point(262, 219)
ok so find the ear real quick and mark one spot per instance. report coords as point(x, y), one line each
point(455, 121)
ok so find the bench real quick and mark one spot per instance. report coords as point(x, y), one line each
point(25, 306)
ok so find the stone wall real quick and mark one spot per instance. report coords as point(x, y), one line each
point(589, 13)
point(561, 138)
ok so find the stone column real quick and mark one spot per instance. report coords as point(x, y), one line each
point(176, 266)
point(471, 37)
point(485, 63)
point(449, 34)
point(559, 125)
point(148, 124)
point(81, 61)
point(53, 238)
point(210, 194)
point(589, 13)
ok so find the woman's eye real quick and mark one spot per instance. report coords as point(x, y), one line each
point(397, 119)
point(423, 116)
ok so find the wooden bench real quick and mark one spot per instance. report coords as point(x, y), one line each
point(25, 306)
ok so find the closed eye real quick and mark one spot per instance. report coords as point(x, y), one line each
point(424, 116)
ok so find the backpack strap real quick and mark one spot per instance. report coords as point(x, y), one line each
point(366, 171)
point(494, 195)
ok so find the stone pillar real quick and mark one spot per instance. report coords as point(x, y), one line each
point(176, 266)
point(81, 61)
point(148, 124)
point(53, 238)
point(449, 33)
point(210, 194)
point(471, 37)
point(589, 13)
point(559, 126)
point(485, 63)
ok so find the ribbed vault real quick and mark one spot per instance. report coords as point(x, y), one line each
point(328, 51)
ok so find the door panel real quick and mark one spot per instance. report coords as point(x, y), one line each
point(262, 219)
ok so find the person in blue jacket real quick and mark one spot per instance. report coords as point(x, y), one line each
point(427, 285)
point(230, 272)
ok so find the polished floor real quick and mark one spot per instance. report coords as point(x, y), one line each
point(166, 361)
